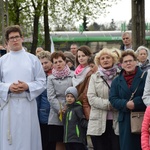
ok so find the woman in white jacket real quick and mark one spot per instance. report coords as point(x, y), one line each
point(103, 125)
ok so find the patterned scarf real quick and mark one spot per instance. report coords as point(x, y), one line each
point(61, 74)
point(108, 74)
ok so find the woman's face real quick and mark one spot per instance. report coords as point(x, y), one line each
point(46, 63)
point(82, 58)
point(106, 61)
point(58, 63)
point(129, 64)
point(93, 67)
point(142, 55)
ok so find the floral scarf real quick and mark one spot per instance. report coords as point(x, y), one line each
point(108, 74)
point(61, 74)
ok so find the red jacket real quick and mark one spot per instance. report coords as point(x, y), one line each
point(145, 135)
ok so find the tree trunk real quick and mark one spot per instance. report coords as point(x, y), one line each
point(35, 33)
point(138, 23)
point(17, 12)
point(46, 26)
point(37, 13)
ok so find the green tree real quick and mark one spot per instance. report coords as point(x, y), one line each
point(112, 25)
point(138, 23)
point(37, 13)
point(85, 22)
point(18, 10)
point(129, 26)
point(61, 13)
point(94, 27)
point(46, 26)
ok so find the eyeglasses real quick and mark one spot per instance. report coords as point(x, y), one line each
point(11, 39)
point(128, 61)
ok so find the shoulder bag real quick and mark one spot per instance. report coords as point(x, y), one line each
point(136, 118)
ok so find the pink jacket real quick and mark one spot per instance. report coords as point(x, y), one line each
point(145, 135)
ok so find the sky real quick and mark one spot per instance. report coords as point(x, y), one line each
point(121, 12)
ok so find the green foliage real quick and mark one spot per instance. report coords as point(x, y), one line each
point(112, 26)
point(129, 26)
point(103, 27)
point(61, 12)
point(19, 11)
point(85, 22)
point(67, 12)
point(62, 15)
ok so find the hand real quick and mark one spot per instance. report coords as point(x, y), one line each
point(22, 86)
point(13, 88)
point(18, 87)
point(130, 105)
point(63, 111)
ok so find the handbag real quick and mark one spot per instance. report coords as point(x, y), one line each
point(136, 118)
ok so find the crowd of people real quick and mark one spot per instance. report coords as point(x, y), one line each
point(61, 100)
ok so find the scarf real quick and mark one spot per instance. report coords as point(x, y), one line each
point(61, 74)
point(49, 72)
point(79, 69)
point(129, 77)
point(108, 74)
point(80, 75)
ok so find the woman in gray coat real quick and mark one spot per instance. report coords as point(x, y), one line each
point(58, 82)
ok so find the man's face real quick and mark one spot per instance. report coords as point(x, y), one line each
point(15, 41)
point(126, 39)
point(73, 49)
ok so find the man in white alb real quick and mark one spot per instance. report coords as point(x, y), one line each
point(22, 79)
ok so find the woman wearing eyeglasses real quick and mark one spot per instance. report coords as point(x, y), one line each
point(120, 92)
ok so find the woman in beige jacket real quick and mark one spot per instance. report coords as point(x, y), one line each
point(103, 125)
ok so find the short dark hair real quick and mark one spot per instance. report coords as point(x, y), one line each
point(126, 53)
point(13, 28)
point(91, 59)
point(58, 54)
point(74, 44)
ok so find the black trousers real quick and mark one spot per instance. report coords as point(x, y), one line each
point(46, 144)
point(75, 146)
point(55, 135)
point(108, 140)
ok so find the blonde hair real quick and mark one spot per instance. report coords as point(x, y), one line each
point(103, 52)
point(44, 54)
point(117, 52)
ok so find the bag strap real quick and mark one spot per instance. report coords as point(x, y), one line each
point(105, 82)
point(132, 95)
